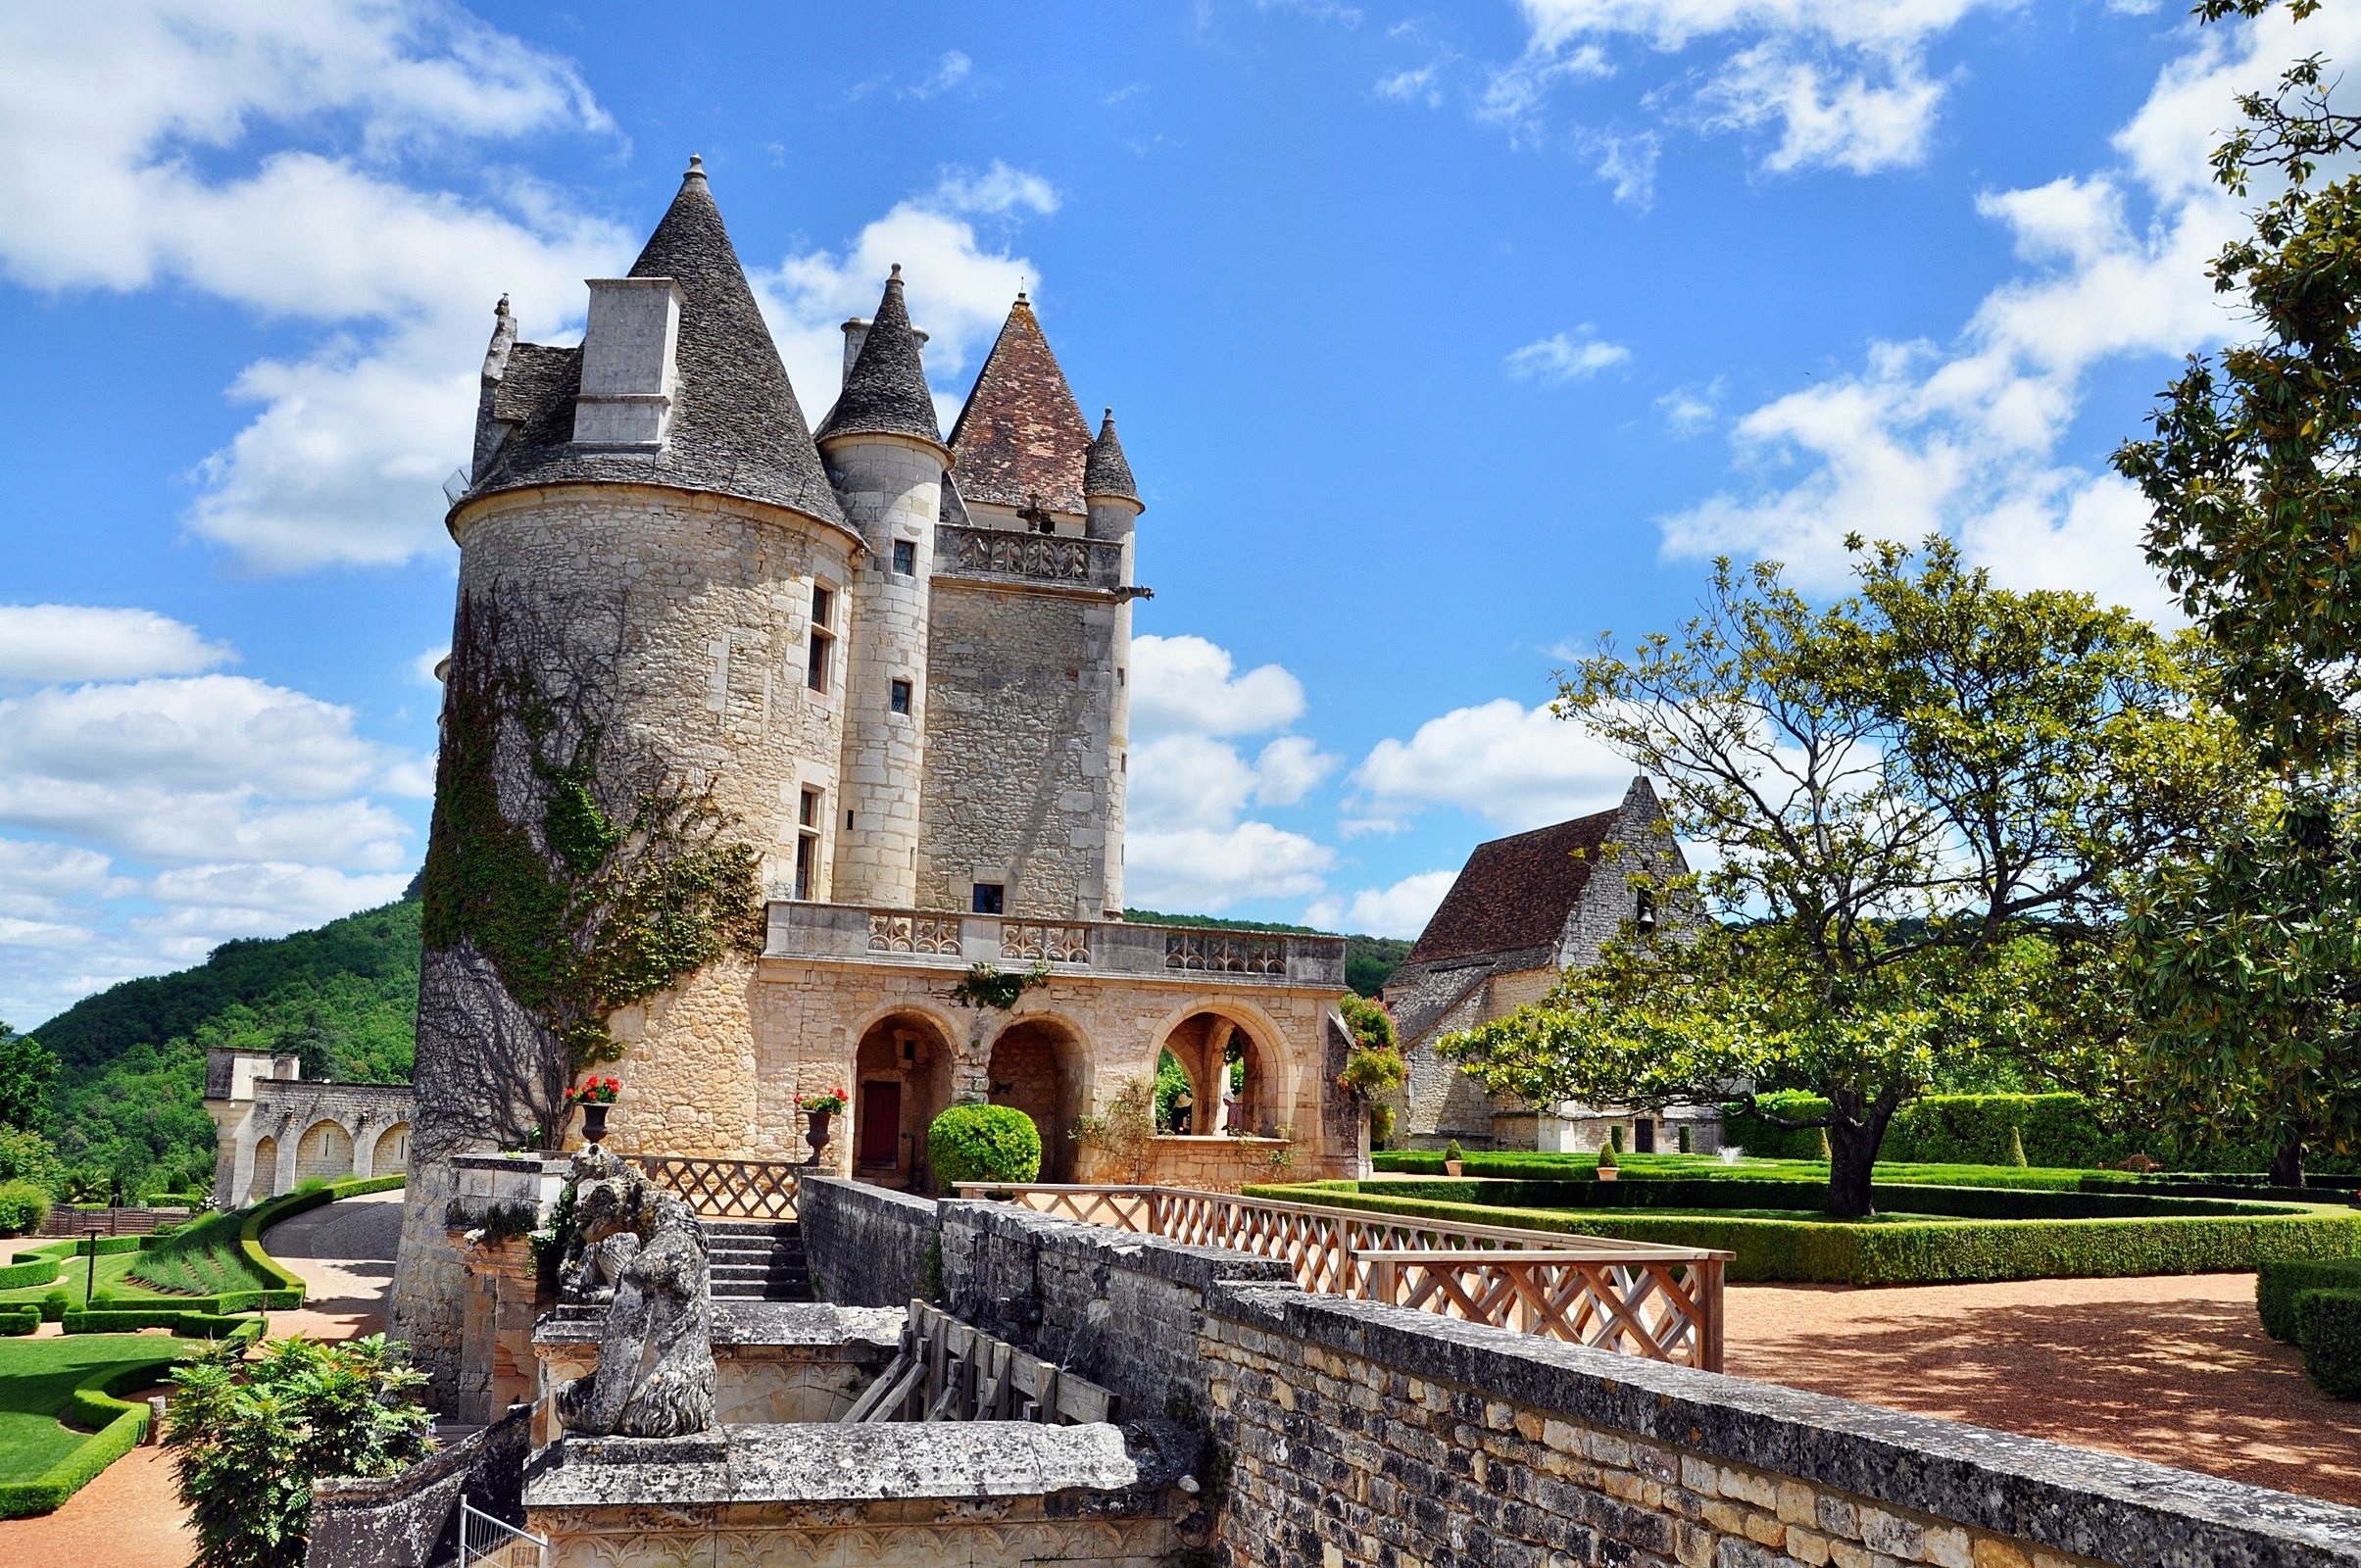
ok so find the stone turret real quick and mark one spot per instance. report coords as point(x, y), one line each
point(1113, 500)
point(885, 458)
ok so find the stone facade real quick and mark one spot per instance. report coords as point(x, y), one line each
point(274, 1128)
point(911, 700)
point(1523, 912)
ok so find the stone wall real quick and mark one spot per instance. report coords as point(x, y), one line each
point(869, 1246)
point(1355, 1434)
point(413, 1518)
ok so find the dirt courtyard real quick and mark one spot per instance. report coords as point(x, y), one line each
point(2172, 1368)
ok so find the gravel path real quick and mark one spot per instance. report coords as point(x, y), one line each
point(129, 1516)
point(2173, 1368)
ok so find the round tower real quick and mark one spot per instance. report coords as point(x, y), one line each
point(1114, 508)
point(655, 583)
point(885, 458)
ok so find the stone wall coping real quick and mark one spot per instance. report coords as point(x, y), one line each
point(538, 1164)
point(753, 1325)
point(817, 1464)
point(1196, 1267)
point(2079, 1501)
point(869, 1191)
point(444, 1463)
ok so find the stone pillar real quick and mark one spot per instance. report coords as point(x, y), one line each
point(282, 1174)
point(498, 1295)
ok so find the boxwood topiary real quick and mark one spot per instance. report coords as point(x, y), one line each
point(2280, 1281)
point(2329, 1329)
point(983, 1144)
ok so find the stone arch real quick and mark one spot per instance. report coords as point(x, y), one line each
point(1041, 1066)
point(390, 1154)
point(324, 1149)
point(1204, 1037)
point(266, 1169)
point(901, 1076)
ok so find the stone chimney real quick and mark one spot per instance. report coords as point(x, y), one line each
point(629, 364)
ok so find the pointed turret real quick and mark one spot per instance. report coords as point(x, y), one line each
point(885, 387)
point(725, 418)
point(1105, 475)
point(1021, 436)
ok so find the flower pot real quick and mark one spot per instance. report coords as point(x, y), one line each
point(594, 1121)
point(1608, 1173)
point(1451, 1167)
point(817, 1134)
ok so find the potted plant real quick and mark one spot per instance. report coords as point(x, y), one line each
point(594, 1094)
point(1452, 1156)
point(819, 1107)
point(1607, 1169)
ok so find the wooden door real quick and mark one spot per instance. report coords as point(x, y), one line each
point(877, 1140)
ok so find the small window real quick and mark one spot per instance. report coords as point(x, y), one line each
point(823, 602)
point(807, 812)
point(988, 898)
point(905, 558)
point(815, 666)
point(1643, 910)
point(898, 696)
point(806, 860)
point(847, 821)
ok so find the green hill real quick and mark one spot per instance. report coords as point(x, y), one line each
point(130, 1088)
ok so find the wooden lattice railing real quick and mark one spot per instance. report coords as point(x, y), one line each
point(726, 1188)
point(1638, 1298)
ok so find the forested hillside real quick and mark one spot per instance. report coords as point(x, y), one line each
point(130, 1081)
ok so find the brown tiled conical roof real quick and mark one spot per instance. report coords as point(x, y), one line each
point(736, 426)
point(1021, 434)
point(885, 392)
point(1107, 473)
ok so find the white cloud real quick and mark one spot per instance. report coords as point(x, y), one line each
point(1185, 685)
point(951, 70)
point(1400, 910)
point(155, 116)
point(1689, 409)
point(1564, 356)
point(1964, 438)
point(1845, 82)
point(1515, 766)
point(52, 642)
point(999, 191)
point(1419, 87)
point(1190, 846)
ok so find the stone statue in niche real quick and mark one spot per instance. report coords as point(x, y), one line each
point(638, 1249)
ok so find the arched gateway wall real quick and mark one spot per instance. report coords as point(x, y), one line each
point(833, 973)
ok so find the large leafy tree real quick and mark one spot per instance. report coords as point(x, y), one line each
point(2242, 950)
point(27, 1073)
point(1919, 800)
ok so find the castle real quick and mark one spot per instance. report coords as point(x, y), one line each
point(895, 663)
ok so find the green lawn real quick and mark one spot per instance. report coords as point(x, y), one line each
point(38, 1379)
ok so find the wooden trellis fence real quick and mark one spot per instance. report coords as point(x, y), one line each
point(949, 1371)
point(1638, 1297)
point(726, 1188)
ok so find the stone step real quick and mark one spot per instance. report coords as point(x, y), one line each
point(767, 1228)
point(740, 1254)
point(757, 1271)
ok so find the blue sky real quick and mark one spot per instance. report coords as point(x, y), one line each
point(1443, 340)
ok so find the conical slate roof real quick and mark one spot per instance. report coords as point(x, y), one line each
point(1021, 434)
point(1106, 473)
point(885, 392)
point(736, 426)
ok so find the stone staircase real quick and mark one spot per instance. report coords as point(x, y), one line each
point(756, 1260)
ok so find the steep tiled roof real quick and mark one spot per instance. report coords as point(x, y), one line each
point(736, 426)
point(1107, 473)
point(1515, 893)
point(885, 392)
point(1021, 433)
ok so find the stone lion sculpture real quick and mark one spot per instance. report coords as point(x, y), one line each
point(639, 1251)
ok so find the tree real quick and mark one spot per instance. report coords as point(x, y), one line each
point(253, 1435)
point(27, 1072)
point(1919, 797)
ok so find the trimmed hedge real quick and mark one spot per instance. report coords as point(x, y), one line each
point(1915, 1252)
point(191, 1322)
point(2056, 1130)
point(1951, 1202)
point(983, 1144)
point(280, 1289)
point(38, 1270)
point(2277, 1284)
point(2331, 1325)
point(120, 1428)
point(16, 1320)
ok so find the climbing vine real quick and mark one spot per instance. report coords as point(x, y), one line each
point(987, 985)
point(581, 905)
point(1374, 1064)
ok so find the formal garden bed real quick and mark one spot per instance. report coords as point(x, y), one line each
point(1924, 1234)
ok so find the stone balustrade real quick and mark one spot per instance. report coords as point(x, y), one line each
point(967, 552)
point(949, 940)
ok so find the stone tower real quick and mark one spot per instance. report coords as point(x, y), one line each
point(885, 458)
point(649, 531)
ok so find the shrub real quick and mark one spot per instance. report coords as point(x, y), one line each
point(2058, 1131)
point(2329, 1325)
point(1452, 1151)
point(28, 1271)
point(2016, 1148)
point(2277, 1284)
point(253, 1435)
point(22, 1207)
point(16, 1320)
point(54, 1305)
point(27, 1156)
point(983, 1144)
